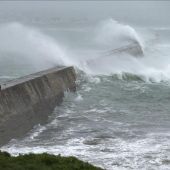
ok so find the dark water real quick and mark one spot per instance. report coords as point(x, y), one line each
point(117, 124)
point(119, 116)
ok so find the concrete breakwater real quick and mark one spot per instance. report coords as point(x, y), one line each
point(28, 100)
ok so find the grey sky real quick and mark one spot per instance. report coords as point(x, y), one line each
point(137, 12)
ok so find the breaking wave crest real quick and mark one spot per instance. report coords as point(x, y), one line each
point(113, 34)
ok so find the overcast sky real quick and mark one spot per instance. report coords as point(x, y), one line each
point(140, 12)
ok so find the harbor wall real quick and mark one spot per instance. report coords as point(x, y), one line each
point(29, 100)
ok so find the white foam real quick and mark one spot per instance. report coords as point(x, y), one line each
point(113, 153)
point(37, 131)
point(78, 98)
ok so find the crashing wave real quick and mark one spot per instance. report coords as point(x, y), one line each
point(133, 49)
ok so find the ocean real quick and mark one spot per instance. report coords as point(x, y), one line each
point(119, 117)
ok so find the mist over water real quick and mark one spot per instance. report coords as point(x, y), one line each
point(24, 44)
point(119, 116)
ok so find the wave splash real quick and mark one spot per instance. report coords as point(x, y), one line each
point(29, 45)
point(152, 67)
point(112, 34)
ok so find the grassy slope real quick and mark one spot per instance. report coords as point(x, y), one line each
point(42, 162)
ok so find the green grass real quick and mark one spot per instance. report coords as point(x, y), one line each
point(42, 162)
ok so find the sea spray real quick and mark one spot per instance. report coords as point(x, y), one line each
point(112, 34)
point(25, 46)
point(153, 66)
point(29, 45)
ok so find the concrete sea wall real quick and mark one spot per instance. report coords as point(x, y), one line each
point(29, 100)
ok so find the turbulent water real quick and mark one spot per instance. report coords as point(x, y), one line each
point(119, 116)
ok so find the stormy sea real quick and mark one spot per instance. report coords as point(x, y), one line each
point(119, 117)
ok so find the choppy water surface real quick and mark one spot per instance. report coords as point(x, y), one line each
point(119, 116)
point(113, 123)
